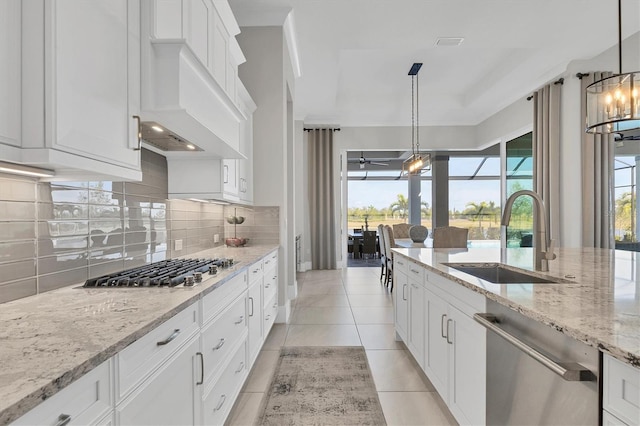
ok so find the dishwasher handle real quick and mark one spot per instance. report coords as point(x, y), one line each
point(569, 371)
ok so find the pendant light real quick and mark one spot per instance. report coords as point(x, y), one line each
point(417, 162)
point(613, 103)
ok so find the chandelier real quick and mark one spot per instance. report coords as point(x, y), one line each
point(613, 103)
point(417, 161)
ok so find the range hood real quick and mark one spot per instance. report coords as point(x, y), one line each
point(180, 95)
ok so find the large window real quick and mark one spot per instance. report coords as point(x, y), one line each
point(626, 226)
point(519, 175)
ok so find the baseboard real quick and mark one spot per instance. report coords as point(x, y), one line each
point(284, 313)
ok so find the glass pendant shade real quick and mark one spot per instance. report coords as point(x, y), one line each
point(613, 104)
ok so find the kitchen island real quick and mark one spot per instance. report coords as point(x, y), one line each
point(601, 307)
point(50, 340)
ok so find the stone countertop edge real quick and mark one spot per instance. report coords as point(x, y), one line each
point(34, 390)
point(583, 334)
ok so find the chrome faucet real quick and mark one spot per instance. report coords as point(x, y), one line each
point(544, 244)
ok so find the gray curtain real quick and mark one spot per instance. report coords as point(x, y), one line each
point(321, 199)
point(597, 180)
point(546, 154)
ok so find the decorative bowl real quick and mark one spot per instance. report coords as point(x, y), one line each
point(236, 242)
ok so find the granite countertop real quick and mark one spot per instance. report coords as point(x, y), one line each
point(50, 340)
point(600, 308)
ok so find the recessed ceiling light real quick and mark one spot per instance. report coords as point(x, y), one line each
point(157, 128)
point(190, 146)
point(449, 41)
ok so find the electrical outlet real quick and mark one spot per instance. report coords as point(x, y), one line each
point(177, 246)
point(216, 238)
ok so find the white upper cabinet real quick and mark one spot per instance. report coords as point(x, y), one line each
point(70, 86)
point(190, 59)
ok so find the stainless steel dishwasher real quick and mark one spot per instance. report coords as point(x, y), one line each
point(535, 374)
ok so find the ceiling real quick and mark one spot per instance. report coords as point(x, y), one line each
point(355, 54)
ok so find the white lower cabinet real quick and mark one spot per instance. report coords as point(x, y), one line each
point(254, 308)
point(170, 396)
point(401, 297)
point(88, 400)
point(434, 318)
point(620, 392)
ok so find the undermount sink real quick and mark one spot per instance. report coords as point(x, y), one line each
point(498, 273)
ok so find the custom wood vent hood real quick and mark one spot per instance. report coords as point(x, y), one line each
point(189, 79)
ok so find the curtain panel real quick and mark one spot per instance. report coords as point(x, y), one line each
point(546, 154)
point(597, 179)
point(322, 218)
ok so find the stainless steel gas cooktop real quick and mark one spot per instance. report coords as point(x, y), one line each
point(166, 273)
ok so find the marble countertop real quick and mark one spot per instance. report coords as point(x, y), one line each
point(600, 308)
point(49, 340)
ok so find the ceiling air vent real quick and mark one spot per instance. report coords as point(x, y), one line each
point(449, 41)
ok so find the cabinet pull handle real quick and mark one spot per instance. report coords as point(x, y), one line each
point(415, 272)
point(251, 300)
point(201, 381)
point(449, 341)
point(139, 133)
point(240, 367)
point(63, 420)
point(266, 262)
point(442, 326)
point(403, 295)
point(267, 318)
point(223, 398)
point(170, 338)
point(267, 285)
point(240, 320)
point(219, 345)
point(225, 174)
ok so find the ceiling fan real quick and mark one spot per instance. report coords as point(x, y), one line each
point(363, 161)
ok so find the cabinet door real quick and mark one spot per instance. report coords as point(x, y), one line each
point(401, 287)
point(436, 347)
point(230, 177)
point(10, 72)
point(467, 371)
point(254, 309)
point(92, 79)
point(171, 395)
point(416, 321)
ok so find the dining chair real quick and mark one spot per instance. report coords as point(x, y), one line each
point(383, 252)
point(368, 243)
point(389, 243)
point(450, 237)
point(401, 230)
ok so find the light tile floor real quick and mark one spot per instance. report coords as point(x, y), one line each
point(348, 308)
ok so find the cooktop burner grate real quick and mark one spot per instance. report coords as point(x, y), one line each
point(166, 273)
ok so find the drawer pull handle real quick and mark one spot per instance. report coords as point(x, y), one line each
point(266, 262)
point(63, 420)
point(170, 338)
point(240, 367)
point(251, 300)
point(404, 297)
point(267, 318)
point(240, 320)
point(201, 381)
point(444, 336)
point(449, 341)
point(267, 285)
point(415, 272)
point(219, 345)
point(223, 398)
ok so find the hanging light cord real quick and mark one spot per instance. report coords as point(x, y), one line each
point(619, 36)
point(413, 117)
point(417, 114)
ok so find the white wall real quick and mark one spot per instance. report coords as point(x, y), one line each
point(268, 78)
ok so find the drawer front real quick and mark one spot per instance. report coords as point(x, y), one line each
point(621, 390)
point(214, 302)
point(270, 313)
point(141, 358)
point(221, 336)
point(270, 285)
point(218, 403)
point(85, 401)
point(400, 264)
point(255, 272)
point(416, 272)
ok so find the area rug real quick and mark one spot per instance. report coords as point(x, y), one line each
point(322, 386)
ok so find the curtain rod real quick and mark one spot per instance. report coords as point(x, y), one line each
point(558, 81)
point(582, 74)
point(337, 129)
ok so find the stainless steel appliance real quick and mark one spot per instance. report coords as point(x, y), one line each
point(536, 375)
point(166, 273)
